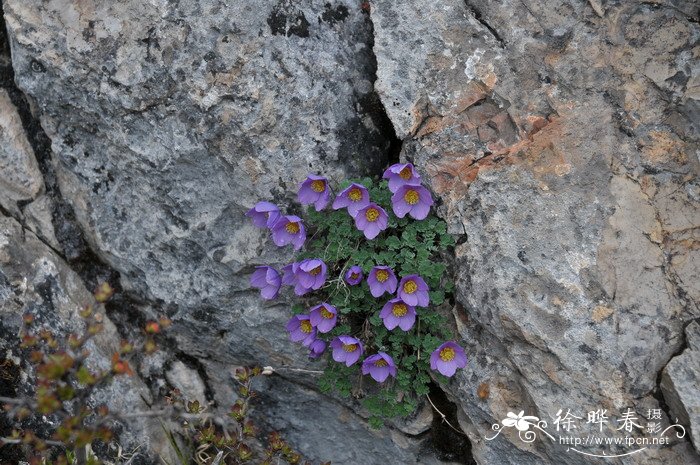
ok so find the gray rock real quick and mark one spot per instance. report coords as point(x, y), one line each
point(540, 126)
point(20, 178)
point(38, 217)
point(679, 383)
point(187, 381)
point(294, 408)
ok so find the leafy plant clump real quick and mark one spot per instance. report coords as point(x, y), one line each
point(372, 265)
point(65, 383)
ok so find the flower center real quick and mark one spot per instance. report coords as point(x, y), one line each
point(399, 309)
point(447, 354)
point(406, 173)
point(380, 363)
point(349, 347)
point(315, 271)
point(306, 326)
point(355, 194)
point(292, 228)
point(381, 275)
point(411, 197)
point(410, 287)
point(326, 314)
point(354, 275)
point(318, 185)
point(372, 214)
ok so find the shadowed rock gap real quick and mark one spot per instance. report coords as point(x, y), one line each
point(373, 105)
point(75, 249)
point(658, 391)
point(445, 441)
point(449, 444)
point(479, 17)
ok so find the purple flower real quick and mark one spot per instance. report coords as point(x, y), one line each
point(414, 291)
point(447, 358)
point(414, 200)
point(312, 273)
point(289, 278)
point(400, 175)
point(381, 279)
point(301, 330)
point(264, 214)
point(346, 349)
point(379, 366)
point(317, 348)
point(354, 275)
point(397, 313)
point(371, 220)
point(355, 197)
point(315, 190)
point(289, 230)
point(306, 275)
point(268, 280)
point(323, 317)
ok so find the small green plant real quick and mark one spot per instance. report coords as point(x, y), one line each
point(387, 242)
point(234, 440)
point(65, 383)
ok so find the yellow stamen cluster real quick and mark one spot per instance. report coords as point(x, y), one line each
point(406, 173)
point(410, 287)
point(326, 314)
point(372, 214)
point(380, 363)
point(355, 194)
point(318, 185)
point(381, 275)
point(292, 228)
point(315, 271)
point(354, 276)
point(411, 197)
point(306, 326)
point(349, 347)
point(447, 354)
point(399, 309)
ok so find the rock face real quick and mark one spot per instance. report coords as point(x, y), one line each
point(679, 382)
point(560, 138)
point(21, 180)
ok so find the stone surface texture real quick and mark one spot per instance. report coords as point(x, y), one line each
point(20, 178)
point(562, 140)
point(559, 138)
point(680, 380)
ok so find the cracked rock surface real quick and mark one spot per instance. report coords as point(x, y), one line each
point(679, 383)
point(559, 137)
point(562, 140)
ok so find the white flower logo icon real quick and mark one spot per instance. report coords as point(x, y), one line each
point(520, 421)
